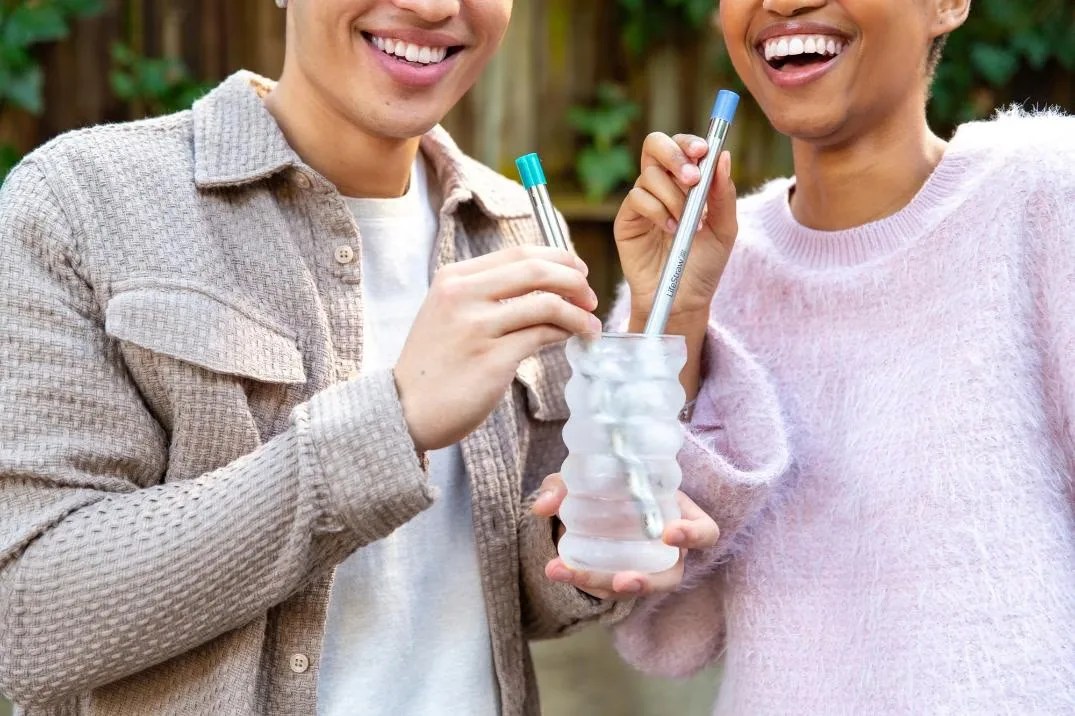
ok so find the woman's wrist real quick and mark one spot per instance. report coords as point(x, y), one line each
point(680, 323)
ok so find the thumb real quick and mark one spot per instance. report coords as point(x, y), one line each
point(550, 496)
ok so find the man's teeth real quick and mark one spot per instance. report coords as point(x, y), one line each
point(410, 51)
point(780, 47)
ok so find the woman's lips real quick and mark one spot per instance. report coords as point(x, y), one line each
point(794, 60)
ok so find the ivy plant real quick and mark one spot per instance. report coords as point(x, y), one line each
point(649, 22)
point(24, 24)
point(1004, 49)
point(158, 85)
point(1003, 46)
point(606, 161)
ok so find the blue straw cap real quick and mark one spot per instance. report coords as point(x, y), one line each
point(530, 170)
point(724, 107)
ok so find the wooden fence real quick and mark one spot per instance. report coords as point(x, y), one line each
point(555, 55)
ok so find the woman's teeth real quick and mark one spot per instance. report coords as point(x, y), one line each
point(780, 48)
point(409, 51)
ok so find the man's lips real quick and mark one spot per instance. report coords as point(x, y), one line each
point(417, 47)
point(414, 59)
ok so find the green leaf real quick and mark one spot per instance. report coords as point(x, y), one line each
point(153, 76)
point(1065, 51)
point(122, 54)
point(32, 24)
point(584, 120)
point(1034, 46)
point(16, 58)
point(699, 12)
point(123, 85)
point(81, 8)
point(601, 172)
point(998, 65)
point(23, 89)
point(188, 96)
point(9, 157)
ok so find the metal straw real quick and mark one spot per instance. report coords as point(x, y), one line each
point(720, 120)
point(638, 484)
point(533, 177)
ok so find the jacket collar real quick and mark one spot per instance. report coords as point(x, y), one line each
point(238, 142)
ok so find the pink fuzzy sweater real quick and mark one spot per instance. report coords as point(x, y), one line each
point(886, 438)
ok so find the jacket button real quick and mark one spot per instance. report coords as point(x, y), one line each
point(344, 254)
point(301, 180)
point(299, 663)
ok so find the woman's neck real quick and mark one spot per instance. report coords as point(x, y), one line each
point(853, 183)
point(358, 163)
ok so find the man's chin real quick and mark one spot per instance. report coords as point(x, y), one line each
point(402, 128)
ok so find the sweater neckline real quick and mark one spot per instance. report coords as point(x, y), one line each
point(819, 249)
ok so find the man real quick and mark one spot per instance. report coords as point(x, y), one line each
point(253, 459)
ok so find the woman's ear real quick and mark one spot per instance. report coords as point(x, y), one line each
point(949, 15)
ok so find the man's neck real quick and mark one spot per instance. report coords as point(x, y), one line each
point(873, 177)
point(360, 165)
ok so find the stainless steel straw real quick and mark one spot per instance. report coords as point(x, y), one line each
point(720, 120)
point(638, 484)
point(533, 177)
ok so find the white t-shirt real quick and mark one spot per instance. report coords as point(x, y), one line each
point(407, 631)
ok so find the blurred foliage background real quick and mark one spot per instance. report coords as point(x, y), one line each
point(580, 82)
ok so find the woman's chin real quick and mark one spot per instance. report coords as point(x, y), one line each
point(814, 130)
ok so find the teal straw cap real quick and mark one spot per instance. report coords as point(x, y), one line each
point(530, 171)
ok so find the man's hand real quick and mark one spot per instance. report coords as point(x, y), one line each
point(695, 530)
point(480, 319)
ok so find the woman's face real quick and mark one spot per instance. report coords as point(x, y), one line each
point(394, 67)
point(826, 71)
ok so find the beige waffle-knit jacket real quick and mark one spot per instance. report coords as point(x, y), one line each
point(186, 450)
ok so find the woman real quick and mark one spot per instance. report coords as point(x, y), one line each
point(909, 300)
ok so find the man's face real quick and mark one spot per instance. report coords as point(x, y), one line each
point(394, 68)
point(826, 70)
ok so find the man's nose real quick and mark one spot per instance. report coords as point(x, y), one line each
point(431, 11)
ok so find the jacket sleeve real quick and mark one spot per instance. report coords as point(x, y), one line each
point(734, 459)
point(105, 569)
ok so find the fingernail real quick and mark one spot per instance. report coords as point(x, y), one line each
point(676, 537)
point(582, 266)
point(698, 145)
point(595, 324)
point(689, 172)
point(632, 587)
point(672, 225)
point(542, 495)
point(726, 168)
point(560, 574)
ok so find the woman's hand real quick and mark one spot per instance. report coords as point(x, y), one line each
point(647, 221)
point(695, 530)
